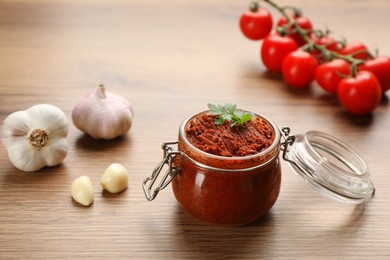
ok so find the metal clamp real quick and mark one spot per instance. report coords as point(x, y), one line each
point(289, 140)
point(169, 155)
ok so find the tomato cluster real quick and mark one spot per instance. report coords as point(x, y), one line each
point(303, 55)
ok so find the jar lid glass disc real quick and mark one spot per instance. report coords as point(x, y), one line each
point(330, 166)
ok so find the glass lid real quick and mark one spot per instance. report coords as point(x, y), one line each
point(328, 165)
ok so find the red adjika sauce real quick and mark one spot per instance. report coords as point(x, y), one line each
point(227, 175)
point(253, 137)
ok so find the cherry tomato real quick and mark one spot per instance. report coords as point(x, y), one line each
point(381, 68)
point(329, 42)
point(329, 74)
point(299, 68)
point(274, 49)
point(353, 47)
point(302, 22)
point(361, 94)
point(256, 23)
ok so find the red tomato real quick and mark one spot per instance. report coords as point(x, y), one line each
point(381, 68)
point(274, 49)
point(302, 22)
point(299, 68)
point(353, 47)
point(257, 24)
point(360, 95)
point(327, 41)
point(328, 74)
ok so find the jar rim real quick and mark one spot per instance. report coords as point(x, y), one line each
point(274, 144)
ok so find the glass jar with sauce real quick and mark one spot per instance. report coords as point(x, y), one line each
point(240, 189)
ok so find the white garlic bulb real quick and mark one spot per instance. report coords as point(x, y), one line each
point(36, 137)
point(103, 115)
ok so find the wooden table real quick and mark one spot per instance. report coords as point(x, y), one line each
point(170, 58)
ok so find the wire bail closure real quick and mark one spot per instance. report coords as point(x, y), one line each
point(289, 140)
point(169, 154)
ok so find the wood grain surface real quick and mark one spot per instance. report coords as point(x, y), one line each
point(170, 58)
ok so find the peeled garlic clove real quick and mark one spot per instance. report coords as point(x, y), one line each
point(103, 115)
point(82, 190)
point(115, 178)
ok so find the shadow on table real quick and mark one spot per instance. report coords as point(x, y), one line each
point(260, 238)
point(211, 241)
point(88, 143)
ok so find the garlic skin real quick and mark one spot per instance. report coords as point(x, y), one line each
point(115, 178)
point(35, 137)
point(103, 115)
point(82, 190)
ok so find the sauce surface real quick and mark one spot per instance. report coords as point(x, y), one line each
point(253, 137)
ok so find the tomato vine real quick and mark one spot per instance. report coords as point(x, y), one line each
point(303, 54)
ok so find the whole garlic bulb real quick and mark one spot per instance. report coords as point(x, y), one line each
point(36, 137)
point(103, 115)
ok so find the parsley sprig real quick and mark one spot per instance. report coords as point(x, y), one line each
point(229, 112)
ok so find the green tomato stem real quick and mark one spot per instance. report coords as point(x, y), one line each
point(253, 6)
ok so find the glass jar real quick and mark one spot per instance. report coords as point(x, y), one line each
point(227, 190)
point(239, 190)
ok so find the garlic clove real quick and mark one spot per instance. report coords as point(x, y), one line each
point(57, 152)
point(115, 178)
point(23, 157)
point(54, 119)
point(103, 115)
point(82, 190)
point(16, 124)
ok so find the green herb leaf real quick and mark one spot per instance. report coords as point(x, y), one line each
point(229, 112)
point(219, 121)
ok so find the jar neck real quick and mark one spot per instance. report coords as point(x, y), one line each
point(229, 163)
